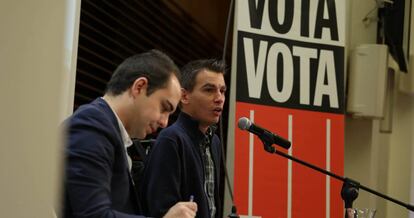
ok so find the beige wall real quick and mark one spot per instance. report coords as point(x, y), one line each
point(381, 161)
point(32, 60)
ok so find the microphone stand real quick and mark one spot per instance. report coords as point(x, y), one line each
point(350, 187)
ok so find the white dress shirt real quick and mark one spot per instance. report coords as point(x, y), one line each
point(125, 137)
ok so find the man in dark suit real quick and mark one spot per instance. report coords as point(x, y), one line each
point(143, 91)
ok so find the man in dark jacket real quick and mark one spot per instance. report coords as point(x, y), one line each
point(185, 160)
point(143, 91)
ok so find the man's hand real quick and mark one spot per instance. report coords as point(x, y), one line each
point(182, 209)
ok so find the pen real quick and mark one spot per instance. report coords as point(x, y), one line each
point(191, 198)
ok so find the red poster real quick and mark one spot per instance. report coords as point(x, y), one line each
point(310, 133)
point(289, 79)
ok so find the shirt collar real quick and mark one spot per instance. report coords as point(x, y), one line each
point(126, 140)
point(192, 127)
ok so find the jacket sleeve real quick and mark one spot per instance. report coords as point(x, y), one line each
point(90, 156)
point(160, 188)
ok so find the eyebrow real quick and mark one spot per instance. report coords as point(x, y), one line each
point(168, 106)
point(209, 85)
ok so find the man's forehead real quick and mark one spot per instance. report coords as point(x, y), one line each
point(171, 89)
point(173, 85)
point(172, 92)
point(209, 77)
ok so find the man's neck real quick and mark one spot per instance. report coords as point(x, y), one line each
point(202, 127)
point(117, 104)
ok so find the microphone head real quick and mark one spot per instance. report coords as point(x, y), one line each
point(244, 123)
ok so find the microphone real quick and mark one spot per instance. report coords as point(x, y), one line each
point(263, 134)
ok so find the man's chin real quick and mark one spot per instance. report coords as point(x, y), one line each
point(215, 121)
point(212, 122)
point(139, 136)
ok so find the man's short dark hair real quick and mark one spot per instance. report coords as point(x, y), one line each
point(154, 65)
point(191, 70)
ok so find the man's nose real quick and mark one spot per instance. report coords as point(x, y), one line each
point(219, 98)
point(163, 122)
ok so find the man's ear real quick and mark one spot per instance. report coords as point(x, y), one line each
point(139, 86)
point(184, 96)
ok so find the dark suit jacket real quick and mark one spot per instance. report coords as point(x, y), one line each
point(175, 170)
point(98, 182)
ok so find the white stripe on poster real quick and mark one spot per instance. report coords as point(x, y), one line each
point(251, 155)
point(289, 183)
point(328, 168)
